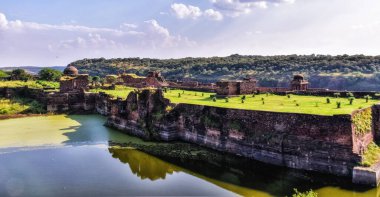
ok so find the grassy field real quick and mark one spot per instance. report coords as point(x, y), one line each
point(275, 103)
point(30, 84)
point(120, 91)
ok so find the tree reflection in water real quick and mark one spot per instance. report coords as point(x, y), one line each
point(143, 165)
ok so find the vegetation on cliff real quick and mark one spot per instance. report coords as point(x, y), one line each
point(39, 84)
point(20, 106)
point(363, 121)
point(342, 72)
point(120, 91)
point(371, 155)
point(309, 193)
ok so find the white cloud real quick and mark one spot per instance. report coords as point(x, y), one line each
point(237, 7)
point(183, 11)
point(3, 21)
point(186, 11)
point(213, 14)
point(59, 44)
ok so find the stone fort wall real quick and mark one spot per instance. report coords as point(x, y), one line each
point(320, 143)
point(328, 144)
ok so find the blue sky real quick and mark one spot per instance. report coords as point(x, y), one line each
point(56, 32)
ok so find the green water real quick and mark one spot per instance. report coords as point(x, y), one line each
point(70, 156)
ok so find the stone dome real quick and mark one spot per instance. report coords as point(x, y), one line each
point(298, 77)
point(70, 70)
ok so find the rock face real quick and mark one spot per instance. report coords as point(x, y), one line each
point(311, 142)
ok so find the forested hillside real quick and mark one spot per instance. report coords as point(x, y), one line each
point(344, 72)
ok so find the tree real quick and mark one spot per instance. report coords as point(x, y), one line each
point(351, 100)
point(3, 74)
point(367, 97)
point(49, 74)
point(20, 74)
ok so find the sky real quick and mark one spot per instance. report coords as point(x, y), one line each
point(57, 32)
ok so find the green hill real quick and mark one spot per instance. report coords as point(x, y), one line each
point(343, 72)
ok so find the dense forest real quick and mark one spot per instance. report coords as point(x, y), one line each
point(344, 72)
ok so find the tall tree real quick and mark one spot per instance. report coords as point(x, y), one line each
point(20, 74)
point(49, 74)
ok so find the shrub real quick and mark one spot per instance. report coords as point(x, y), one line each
point(338, 103)
point(328, 100)
point(297, 104)
point(242, 100)
point(351, 100)
point(168, 108)
point(227, 100)
point(179, 95)
point(243, 97)
point(203, 94)
point(309, 193)
point(253, 95)
point(288, 96)
point(371, 155)
point(337, 95)
point(367, 97)
point(214, 99)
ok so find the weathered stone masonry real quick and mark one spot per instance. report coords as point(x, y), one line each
point(312, 142)
point(330, 144)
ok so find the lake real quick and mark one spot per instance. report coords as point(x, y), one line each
point(70, 156)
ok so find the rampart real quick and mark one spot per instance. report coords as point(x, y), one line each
point(330, 144)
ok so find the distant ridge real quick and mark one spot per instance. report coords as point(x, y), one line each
point(32, 69)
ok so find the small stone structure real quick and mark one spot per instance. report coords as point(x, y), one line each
point(299, 83)
point(226, 88)
point(72, 94)
point(72, 81)
point(153, 79)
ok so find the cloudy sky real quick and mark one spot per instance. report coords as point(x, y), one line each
point(56, 32)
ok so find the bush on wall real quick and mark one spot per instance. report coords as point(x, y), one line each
point(363, 121)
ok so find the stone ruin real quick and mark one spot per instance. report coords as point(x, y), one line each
point(299, 83)
point(246, 86)
point(153, 79)
point(72, 81)
point(249, 86)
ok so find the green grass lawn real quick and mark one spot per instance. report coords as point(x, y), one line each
point(120, 91)
point(30, 84)
point(275, 103)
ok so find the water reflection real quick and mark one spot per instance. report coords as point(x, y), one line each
point(142, 164)
point(248, 179)
point(83, 170)
point(146, 166)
